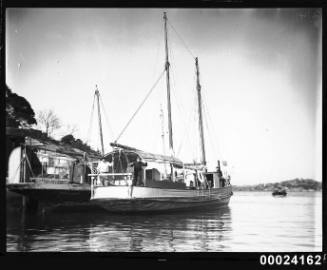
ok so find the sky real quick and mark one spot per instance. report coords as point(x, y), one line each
point(260, 72)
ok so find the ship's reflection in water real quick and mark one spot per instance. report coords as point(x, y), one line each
point(253, 221)
point(192, 231)
point(104, 232)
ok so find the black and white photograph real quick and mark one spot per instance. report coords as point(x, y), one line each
point(163, 129)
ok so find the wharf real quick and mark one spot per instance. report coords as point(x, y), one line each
point(53, 191)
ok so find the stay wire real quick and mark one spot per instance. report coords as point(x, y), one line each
point(182, 40)
point(106, 117)
point(139, 107)
point(156, 63)
point(186, 132)
point(90, 122)
point(180, 108)
point(210, 122)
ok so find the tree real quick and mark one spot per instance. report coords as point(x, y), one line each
point(48, 121)
point(78, 143)
point(71, 129)
point(68, 139)
point(19, 112)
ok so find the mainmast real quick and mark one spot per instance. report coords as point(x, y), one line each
point(198, 87)
point(171, 146)
point(170, 128)
point(97, 93)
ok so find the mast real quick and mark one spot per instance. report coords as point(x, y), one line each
point(198, 87)
point(171, 146)
point(170, 128)
point(97, 93)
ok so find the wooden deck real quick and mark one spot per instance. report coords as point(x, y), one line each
point(53, 192)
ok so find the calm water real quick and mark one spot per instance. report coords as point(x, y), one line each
point(253, 221)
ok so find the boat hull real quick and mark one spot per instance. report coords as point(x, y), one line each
point(145, 199)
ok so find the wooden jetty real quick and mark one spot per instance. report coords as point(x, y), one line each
point(48, 171)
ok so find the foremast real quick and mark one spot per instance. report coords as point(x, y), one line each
point(198, 88)
point(97, 93)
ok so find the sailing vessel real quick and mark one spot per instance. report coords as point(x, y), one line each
point(186, 186)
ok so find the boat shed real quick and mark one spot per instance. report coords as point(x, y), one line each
point(46, 157)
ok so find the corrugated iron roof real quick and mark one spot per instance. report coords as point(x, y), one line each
point(63, 149)
point(49, 144)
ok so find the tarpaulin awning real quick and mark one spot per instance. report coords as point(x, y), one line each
point(146, 156)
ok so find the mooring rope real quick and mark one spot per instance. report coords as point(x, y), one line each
point(139, 107)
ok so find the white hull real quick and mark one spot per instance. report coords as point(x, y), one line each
point(119, 198)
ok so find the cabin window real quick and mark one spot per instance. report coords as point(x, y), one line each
point(152, 174)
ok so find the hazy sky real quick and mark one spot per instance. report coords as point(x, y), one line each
point(260, 71)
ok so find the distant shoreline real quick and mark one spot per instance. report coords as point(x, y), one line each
point(241, 190)
point(294, 185)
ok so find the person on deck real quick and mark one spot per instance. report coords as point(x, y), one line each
point(103, 167)
point(138, 164)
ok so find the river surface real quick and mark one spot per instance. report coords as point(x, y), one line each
point(253, 222)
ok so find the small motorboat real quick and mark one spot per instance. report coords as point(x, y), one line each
point(279, 191)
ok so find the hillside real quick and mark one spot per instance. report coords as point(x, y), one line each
point(291, 185)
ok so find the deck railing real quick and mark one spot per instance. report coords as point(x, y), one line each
point(106, 179)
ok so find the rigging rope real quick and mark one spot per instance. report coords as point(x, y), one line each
point(106, 117)
point(187, 130)
point(90, 123)
point(156, 64)
point(208, 119)
point(157, 58)
point(190, 127)
point(180, 108)
point(181, 111)
point(184, 43)
point(139, 107)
